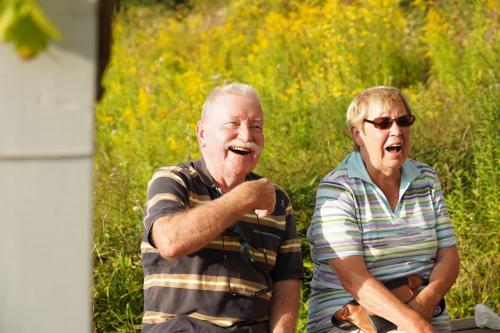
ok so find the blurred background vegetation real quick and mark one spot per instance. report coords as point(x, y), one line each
point(307, 59)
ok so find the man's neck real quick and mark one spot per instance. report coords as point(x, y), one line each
point(228, 182)
point(223, 178)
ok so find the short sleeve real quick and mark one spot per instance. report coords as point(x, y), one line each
point(167, 194)
point(289, 263)
point(444, 231)
point(334, 231)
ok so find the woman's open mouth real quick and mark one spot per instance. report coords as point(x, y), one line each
point(394, 148)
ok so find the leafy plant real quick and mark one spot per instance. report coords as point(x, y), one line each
point(24, 24)
point(307, 59)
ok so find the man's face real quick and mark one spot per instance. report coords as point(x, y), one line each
point(231, 136)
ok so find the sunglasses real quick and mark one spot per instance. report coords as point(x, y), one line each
point(248, 256)
point(386, 122)
point(247, 252)
point(250, 295)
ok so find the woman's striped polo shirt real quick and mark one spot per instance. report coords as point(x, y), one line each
point(352, 217)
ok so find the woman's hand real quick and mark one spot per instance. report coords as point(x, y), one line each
point(442, 277)
point(422, 306)
point(375, 297)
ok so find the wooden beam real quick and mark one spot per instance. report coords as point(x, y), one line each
point(467, 326)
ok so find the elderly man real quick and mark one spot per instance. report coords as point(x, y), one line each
point(220, 251)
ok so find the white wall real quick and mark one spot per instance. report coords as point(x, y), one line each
point(46, 147)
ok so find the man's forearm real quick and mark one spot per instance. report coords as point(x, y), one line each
point(284, 307)
point(190, 230)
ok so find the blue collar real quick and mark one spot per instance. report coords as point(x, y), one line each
point(356, 169)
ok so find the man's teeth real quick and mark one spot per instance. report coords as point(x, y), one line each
point(240, 150)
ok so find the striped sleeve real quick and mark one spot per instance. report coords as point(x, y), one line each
point(334, 231)
point(444, 231)
point(289, 263)
point(167, 194)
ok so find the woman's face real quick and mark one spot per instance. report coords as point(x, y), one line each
point(383, 150)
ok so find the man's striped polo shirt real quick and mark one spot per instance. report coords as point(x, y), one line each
point(201, 285)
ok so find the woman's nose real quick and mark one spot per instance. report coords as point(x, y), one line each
point(395, 129)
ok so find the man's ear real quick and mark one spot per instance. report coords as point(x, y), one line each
point(200, 133)
point(356, 136)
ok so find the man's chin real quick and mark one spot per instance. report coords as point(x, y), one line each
point(241, 167)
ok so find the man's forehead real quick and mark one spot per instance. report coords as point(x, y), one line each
point(235, 106)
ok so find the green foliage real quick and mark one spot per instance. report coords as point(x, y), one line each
point(307, 59)
point(24, 24)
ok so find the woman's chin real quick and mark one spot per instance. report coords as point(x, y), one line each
point(394, 164)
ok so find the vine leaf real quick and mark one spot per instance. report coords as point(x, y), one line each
point(24, 24)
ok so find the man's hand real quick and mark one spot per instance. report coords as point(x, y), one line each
point(185, 232)
point(263, 193)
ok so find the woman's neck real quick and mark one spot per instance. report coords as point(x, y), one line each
point(388, 182)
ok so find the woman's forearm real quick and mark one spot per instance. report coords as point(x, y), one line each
point(442, 277)
point(375, 297)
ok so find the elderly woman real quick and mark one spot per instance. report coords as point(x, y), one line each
point(380, 218)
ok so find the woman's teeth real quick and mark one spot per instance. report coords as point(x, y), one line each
point(392, 148)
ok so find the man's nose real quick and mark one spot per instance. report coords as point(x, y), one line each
point(244, 133)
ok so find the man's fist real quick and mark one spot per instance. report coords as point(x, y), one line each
point(262, 194)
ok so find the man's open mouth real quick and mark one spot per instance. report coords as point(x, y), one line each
point(394, 148)
point(240, 150)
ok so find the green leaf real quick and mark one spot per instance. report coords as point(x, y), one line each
point(7, 19)
point(23, 23)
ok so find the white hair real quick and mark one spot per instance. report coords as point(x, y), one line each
point(241, 89)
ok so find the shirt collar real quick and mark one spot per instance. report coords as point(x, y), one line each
point(201, 168)
point(356, 169)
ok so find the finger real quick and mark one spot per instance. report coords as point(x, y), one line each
point(262, 212)
point(263, 180)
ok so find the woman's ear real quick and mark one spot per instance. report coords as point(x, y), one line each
point(356, 136)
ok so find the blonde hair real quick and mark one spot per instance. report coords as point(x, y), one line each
point(381, 96)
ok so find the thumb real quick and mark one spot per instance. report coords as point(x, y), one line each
point(262, 212)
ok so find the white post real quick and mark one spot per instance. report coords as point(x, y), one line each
point(46, 147)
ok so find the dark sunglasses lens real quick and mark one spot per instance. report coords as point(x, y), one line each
point(405, 120)
point(382, 122)
point(247, 253)
point(386, 122)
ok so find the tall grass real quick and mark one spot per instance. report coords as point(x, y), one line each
point(307, 59)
